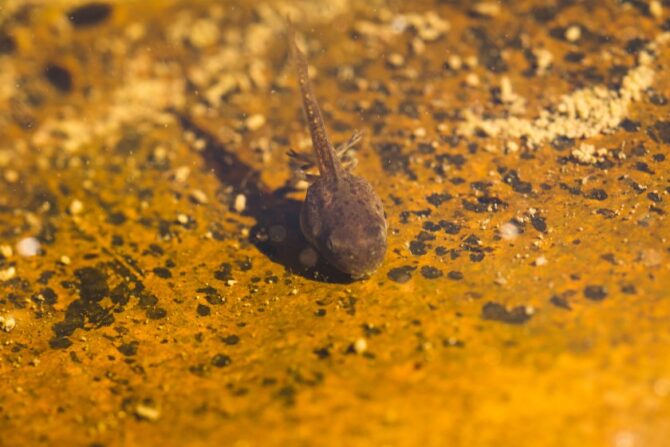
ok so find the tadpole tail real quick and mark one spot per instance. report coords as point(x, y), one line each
point(328, 164)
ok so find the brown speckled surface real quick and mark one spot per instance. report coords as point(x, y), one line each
point(524, 298)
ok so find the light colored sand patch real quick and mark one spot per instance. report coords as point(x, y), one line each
point(582, 114)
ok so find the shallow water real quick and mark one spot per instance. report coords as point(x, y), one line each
point(154, 284)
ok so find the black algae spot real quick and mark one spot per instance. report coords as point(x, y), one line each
point(60, 343)
point(595, 293)
point(393, 159)
point(430, 226)
point(498, 312)
point(322, 353)
point(128, 349)
point(203, 310)
point(561, 143)
point(595, 194)
point(490, 54)
point(156, 313)
point(429, 272)
point(59, 77)
point(629, 125)
point(477, 257)
point(212, 295)
point(539, 223)
point(450, 227)
point(7, 43)
point(89, 14)
point(635, 45)
point(116, 218)
point(401, 274)
point(92, 284)
point(320, 312)
point(438, 199)
point(512, 178)
point(221, 360)
point(129, 143)
point(409, 108)
point(654, 197)
point(606, 212)
point(629, 289)
point(224, 273)
point(661, 131)
point(455, 275)
point(162, 272)
point(643, 167)
point(231, 339)
point(544, 14)
point(418, 248)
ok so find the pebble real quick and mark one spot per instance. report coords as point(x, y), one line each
point(181, 173)
point(7, 323)
point(11, 176)
point(240, 203)
point(540, 261)
point(396, 60)
point(509, 231)
point(487, 9)
point(6, 251)
point(76, 207)
point(199, 196)
point(182, 218)
point(573, 33)
point(28, 246)
point(7, 274)
point(360, 345)
point(656, 9)
point(472, 80)
point(255, 122)
point(455, 62)
point(147, 413)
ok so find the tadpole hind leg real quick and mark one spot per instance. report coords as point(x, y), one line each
point(344, 151)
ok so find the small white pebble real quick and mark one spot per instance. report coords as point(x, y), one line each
point(360, 345)
point(487, 9)
point(540, 261)
point(7, 274)
point(65, 260)
point(472, 80)
point(11, 176)
point(160, 153)
point(656, 9)
point(573, 33)
point(6, 251)
point(28, 246)
point(76, 207)
point(7, 323)
point(182, 218)
point(396, 60)
point(511, 147)
point(240, 203)
point(471, 61)
point(199, 196)
point(146, 412)
point(420, 132)
point(509, 231)
point(255, 122)
point(181, 173)
point(455, 62)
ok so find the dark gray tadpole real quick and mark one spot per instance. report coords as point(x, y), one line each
point(342, 217)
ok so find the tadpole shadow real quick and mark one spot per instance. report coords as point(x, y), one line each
point(277, 232)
